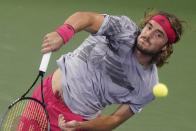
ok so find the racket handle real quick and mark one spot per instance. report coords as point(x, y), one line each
point(44, 62)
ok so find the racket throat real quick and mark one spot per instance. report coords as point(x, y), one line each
point(41, 73)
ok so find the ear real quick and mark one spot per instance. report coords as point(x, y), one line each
point(164, 47)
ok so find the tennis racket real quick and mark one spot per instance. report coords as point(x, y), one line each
point(28, 113)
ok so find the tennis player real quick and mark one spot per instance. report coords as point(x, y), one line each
point(116, 64)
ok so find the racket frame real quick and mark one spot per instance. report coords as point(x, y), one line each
point(42, 70)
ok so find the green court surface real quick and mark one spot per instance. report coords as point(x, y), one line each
point(23, 24)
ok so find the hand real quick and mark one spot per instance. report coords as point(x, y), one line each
point(67, 126)
point(51, 42)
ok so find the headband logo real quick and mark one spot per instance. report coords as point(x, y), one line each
point(166, 25)
point(162, 21)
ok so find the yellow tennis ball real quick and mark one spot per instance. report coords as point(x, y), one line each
point(160, 90)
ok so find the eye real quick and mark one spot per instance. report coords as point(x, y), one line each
point(149, 27)
point(158, 35)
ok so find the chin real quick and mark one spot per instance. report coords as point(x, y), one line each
point(143, 50)
point(141, 45)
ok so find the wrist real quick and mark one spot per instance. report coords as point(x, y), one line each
point(66, 32)
point(79, 125)
point(83, 126)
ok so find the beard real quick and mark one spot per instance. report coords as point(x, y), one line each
point(146, 51)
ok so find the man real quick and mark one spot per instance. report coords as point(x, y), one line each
point(116, 64)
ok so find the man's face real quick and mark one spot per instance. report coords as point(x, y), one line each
point(152, 39)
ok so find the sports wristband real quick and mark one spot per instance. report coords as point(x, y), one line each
point(66, 32)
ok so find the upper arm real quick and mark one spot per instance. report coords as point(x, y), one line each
point(96, 22)
point(123, 113)
point(88, 21)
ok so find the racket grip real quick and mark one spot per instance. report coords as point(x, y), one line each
point(44, 63)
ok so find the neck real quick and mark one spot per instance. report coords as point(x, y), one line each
point(143, 59)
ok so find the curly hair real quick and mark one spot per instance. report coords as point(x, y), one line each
point(161, 58)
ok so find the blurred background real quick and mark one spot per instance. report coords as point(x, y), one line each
point(23, 24)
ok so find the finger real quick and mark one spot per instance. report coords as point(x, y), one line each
point(61, 117)
point(45, 44)
point(43, 51)
point(62, 123)
point(71, 124)
point(45, 37)
point(45, 41)
point(46, 50)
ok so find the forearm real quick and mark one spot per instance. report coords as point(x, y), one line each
point(88, 21)
point(103, 123)
point(107, 123)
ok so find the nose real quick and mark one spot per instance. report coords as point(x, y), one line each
point(148, 34)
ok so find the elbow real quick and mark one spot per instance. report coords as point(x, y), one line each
point(78, 13)
point(87, 16)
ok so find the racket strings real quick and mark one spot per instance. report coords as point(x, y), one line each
point(26, 115)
